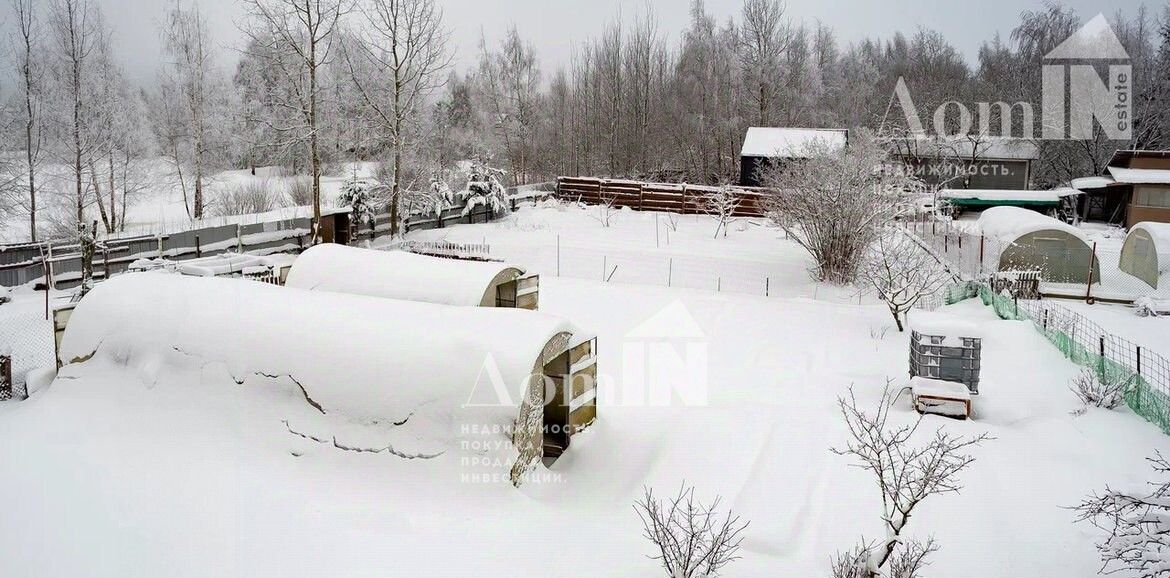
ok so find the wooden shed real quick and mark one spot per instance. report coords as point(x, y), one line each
point(412, 373)
point(768, 146)
point(1030, 241)
point(413, 277)
point(1146, 252)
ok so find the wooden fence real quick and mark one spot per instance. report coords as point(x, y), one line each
point(640, 196)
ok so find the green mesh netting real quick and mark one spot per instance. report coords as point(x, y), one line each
point(1144, 399)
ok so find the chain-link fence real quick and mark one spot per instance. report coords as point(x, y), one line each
point(28, 338)
point(1087, 344)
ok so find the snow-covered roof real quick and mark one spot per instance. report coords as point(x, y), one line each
point(396, 274)
point(1010, 223)
point(1141, 176)
point(360, 359)
point(1091, 183)
point(1051, 196)
point(793, 143)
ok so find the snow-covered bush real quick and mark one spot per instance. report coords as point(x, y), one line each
point(484, 188)
point(5, 295)
point(693, 539)
point(1104, 389)
point(363, 198)
point(906, 474)
point(721, 203)
point(1137, 526)
point(604, 211)
point(245, 198)
point(901, 272)
point(835, 202)
point(1151, 307)
point(300, 191)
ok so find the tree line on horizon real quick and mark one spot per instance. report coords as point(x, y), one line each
point(323, 83)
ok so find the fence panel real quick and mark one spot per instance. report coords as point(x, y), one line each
point(670, 197)
point(28, 339)
point(1085, 343)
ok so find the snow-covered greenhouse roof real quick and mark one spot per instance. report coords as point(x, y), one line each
point(1159, 232)
point(1011, 223)
point(364, 359)
point(796, 143)
point(997, 197)
point(398, 275)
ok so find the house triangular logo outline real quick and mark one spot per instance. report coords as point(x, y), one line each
point(1093, 41)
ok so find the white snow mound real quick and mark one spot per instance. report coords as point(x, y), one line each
point(370, 360)
point(396, 275)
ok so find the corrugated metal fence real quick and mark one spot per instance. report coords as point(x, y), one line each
point(20, 264)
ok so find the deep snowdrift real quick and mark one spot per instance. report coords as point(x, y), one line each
point(397, 275)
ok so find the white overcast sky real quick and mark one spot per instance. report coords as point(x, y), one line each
point(553, 26)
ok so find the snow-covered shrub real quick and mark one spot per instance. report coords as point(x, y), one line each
point(908, 562)
point(1137, 526)
point(721, 203)
point(604, 211)
point(5, 295)
point(484, 188)
point(835, 203)
point(693, 539)
point(363, 198)
point(906, 474)
point(300, 191)
point(1150, 307)
point(245, 198)
point(1104, 389)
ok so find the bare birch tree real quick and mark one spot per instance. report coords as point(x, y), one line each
point(191, 58)
point(76, 30)
point(28, 65)
point(406, 47)
point(764, 38)
point(297, 37)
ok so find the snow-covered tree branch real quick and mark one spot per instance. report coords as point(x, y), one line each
point(901, 272)
point(693, 539)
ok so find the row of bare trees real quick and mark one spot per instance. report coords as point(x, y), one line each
point(324, 81)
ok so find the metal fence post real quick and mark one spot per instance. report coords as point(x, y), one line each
point(1139, 359)
point(767, 286)
point(5, 377)
point(669, 270)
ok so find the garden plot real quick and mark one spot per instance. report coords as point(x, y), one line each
point(190, 473)
point(554, 238)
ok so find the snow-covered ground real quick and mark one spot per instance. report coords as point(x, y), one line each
point(194, 475)
point(159, 207)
